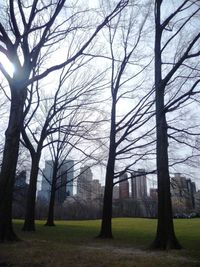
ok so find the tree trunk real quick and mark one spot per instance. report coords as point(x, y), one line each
point(106, 224)
point(50, 218)
point(165, 237)
point(29, 223)
point(10, 156)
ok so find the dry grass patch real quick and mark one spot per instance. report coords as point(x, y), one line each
point(73, 244)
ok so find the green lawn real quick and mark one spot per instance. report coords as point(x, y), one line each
point(73, 243)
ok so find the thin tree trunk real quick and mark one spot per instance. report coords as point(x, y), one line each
point(29, 223)
point(10, 156)
point(165, 237)
point(106, 224)
point(50, 218)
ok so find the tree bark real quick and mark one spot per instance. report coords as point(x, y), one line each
point(29, 223)
point(106, 224)
point(50, 218)
point(10, 156)
point(165, 236)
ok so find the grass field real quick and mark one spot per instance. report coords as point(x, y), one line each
point(73, 243)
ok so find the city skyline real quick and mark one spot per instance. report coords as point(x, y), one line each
point(151, 181)
point(64, 181)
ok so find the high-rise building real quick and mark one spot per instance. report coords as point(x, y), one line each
point(179, 185)
point(191, 190)
point(64, 182)
point(96, 189)
point(20, 187)
point(115, 192)
point(139, 184)
point(124, 186)
point(44, 193)
point(182, 192)
point(84, 183)
point(197, 202)
point(19, 195)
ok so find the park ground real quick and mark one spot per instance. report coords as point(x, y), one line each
point(73, 243)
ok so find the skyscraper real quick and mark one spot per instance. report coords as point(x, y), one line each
point(124, 187)
point(19, 195)
point(96, 189)
point(64, 182)
point(45, 191)
point(139, 184)
point(84, 183)
point(115, 192)
point(183, 191)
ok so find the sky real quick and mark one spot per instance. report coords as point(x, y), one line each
point(123, 107)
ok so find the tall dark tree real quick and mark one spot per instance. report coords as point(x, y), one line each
point(128, 143)
point(172, 71)
point(27, 32)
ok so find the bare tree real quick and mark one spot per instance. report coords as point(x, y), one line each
point(67, 143)
point(131, 105)
point(48, 116)
point(28, 32)
point(174, 78)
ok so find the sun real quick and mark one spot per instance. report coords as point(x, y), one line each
point(8, 66)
